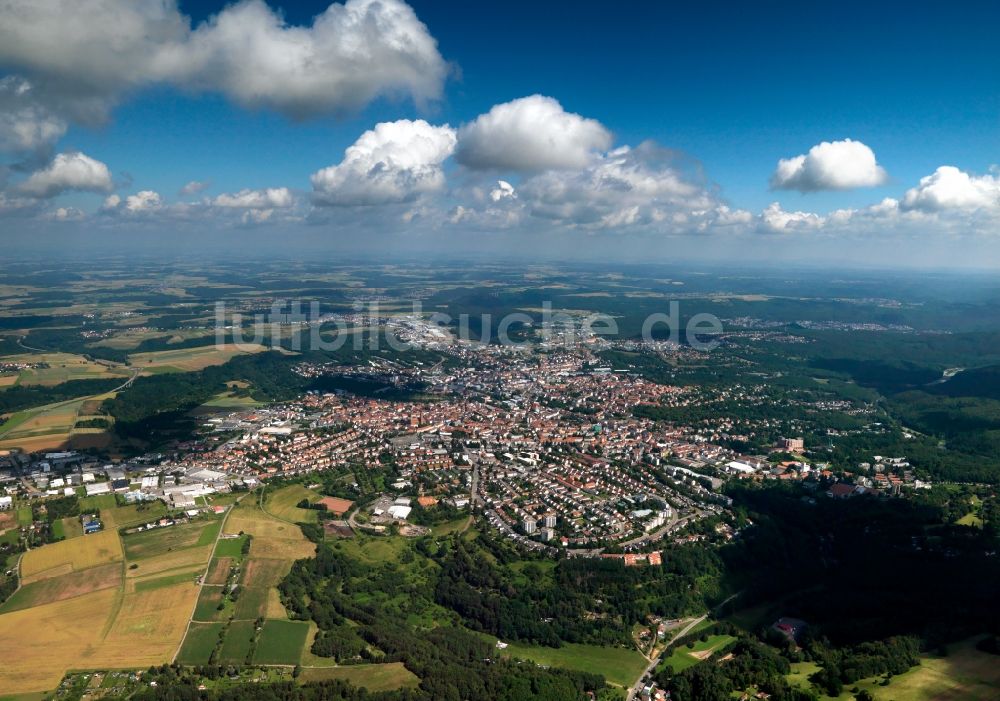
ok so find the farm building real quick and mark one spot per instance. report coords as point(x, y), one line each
point(96, 488)
point(6, 503)
point(399, 512)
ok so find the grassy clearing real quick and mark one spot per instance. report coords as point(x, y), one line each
point(374, 677)
point(199, 643)
point(70, 556)
point(619, 666)
point(24, 517)
point(104, 502)
point(281, 642)
point(684, 656)
point(965, 674)
point(282, 504)
point(71, 527)
point(133, 514)
point(231, 547)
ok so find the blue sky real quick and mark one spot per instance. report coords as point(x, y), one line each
point(731, 86)
point(735, 85)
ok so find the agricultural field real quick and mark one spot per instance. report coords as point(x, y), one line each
point(62, 367)
point(69, 527)
point(281, 503)
point(184, 560)
point(8, 521)
point(281, 642)
point(251, 603)
point(67, 586)
point(39, 644)
point(200, 642)
point(148, 627)
point(218, 571)
point(272, 538)
point(236, 645)
point(189, 359)
point(160, 541)
point(128, 339)
point(43, 428)
point(70, 556)
point(374, 677)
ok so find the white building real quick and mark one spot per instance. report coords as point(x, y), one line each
point(399, 512)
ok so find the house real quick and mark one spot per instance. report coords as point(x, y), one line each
point(6, 503)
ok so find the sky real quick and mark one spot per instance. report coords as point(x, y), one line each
point(853, 133)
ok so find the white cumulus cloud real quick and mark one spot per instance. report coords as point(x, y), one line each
point(68, 171)
point(267, 198)
point(830, 165)
point(530, 134)
point(503, 191)
point(193, 187)
point(951, 188)
point(777, 220)
point(625, 187)
point(394, 162)
point(81, 57)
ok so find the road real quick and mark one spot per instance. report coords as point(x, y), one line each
point(204, 576)
point(637, 687)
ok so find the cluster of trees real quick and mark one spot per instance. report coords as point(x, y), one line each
point(452, 663)
point(847, 665)
point(583, 601)
point(135, 411)
point(753, 664)
point(20, 397)
point(864, 569)
point(59, 508)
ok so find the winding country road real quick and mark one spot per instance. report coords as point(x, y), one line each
point(637, 687)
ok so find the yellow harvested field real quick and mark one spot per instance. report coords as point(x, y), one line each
point(8, 380)
point(171, 562)
point(190, 359)
point(148, 628)
point(275, 609)
point(73, 555)
point(271, 538)
point(38, 645)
